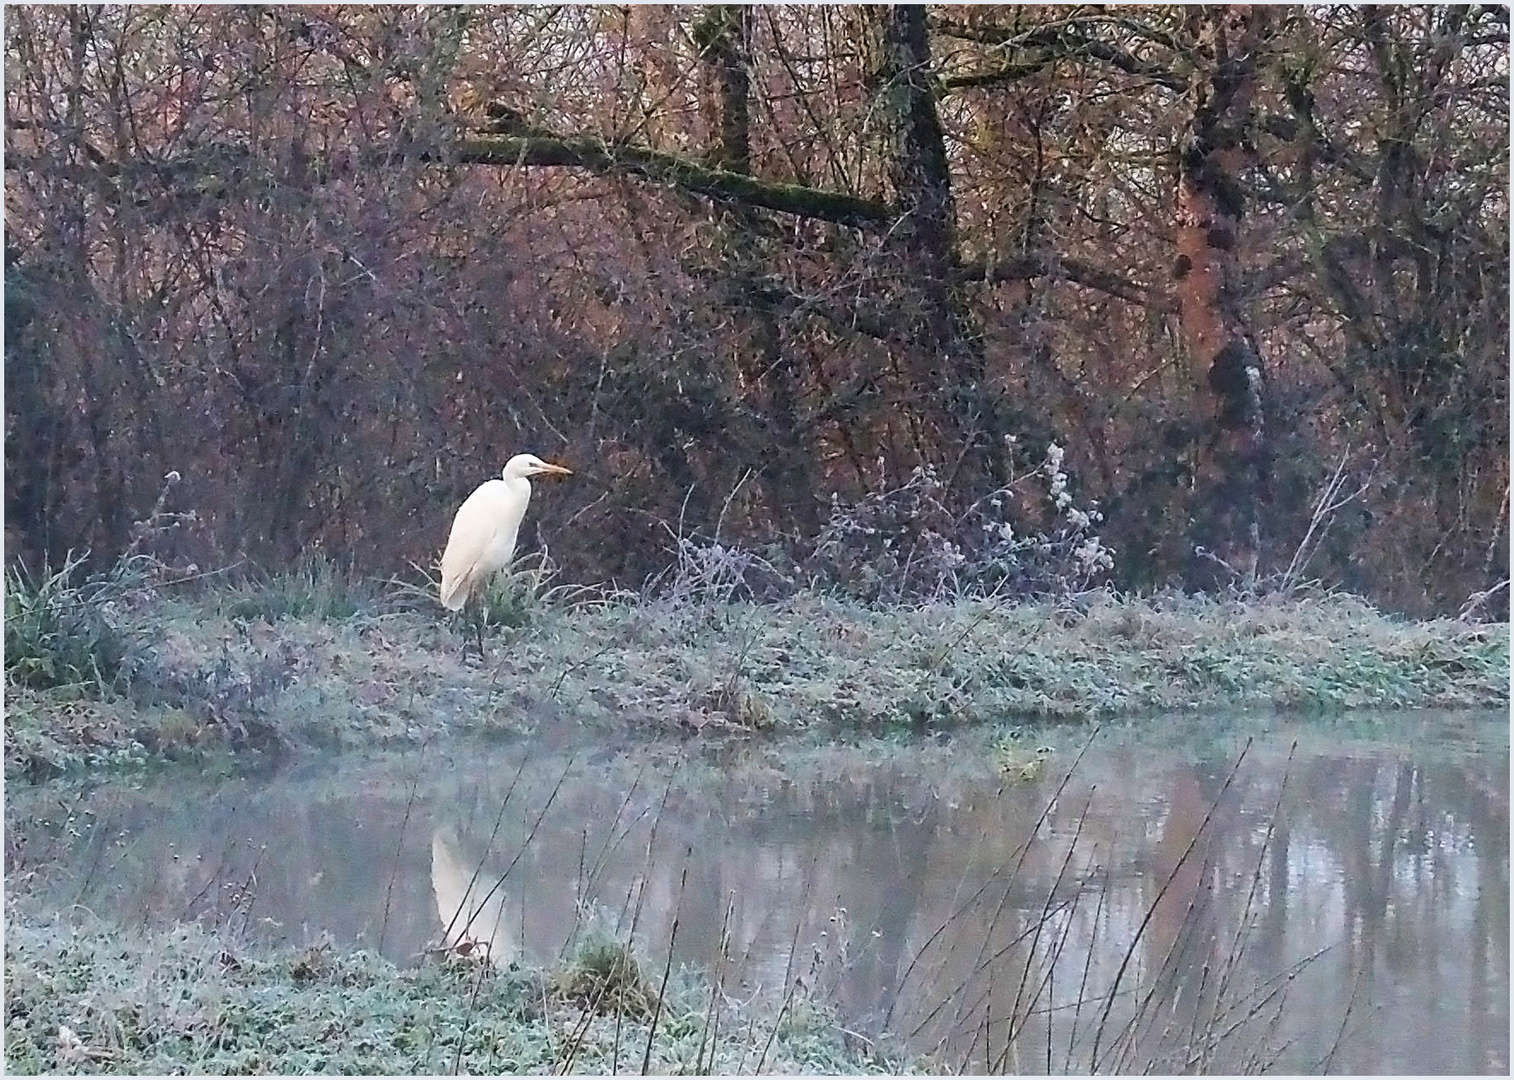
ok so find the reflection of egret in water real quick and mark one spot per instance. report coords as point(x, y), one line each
point(470, 902)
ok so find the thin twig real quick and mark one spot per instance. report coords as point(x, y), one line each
point(399, 846)
point(667, 968)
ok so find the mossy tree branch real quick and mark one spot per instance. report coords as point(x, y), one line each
point(538, 148)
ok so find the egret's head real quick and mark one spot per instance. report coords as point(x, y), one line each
point(527, 465)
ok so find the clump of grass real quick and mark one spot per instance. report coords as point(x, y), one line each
point(511, 597)
point(317, 587)
point(603, 974)
point(516, 596)
point(65, 627)
point(51, 732)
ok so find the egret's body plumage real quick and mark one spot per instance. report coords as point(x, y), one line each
point(486, 527)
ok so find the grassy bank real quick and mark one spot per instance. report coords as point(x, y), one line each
point(314, 661)
point(87, 999)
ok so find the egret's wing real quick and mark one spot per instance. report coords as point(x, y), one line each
point(466, 546)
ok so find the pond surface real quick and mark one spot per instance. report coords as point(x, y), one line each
point(1336, 900)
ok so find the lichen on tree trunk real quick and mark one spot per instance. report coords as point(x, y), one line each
point(1232, 461)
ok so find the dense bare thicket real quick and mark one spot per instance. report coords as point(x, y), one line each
point(748, 267)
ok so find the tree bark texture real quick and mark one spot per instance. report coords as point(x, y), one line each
point(783, 449)
point(722, 34)
point(1231, 462)
point(944, 365)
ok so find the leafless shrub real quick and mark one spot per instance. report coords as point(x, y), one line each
point(1028, 538)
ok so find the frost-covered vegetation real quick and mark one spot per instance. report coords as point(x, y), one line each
point(86, 998)
point(316, 658)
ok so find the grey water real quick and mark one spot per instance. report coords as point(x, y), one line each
point(1210, 894)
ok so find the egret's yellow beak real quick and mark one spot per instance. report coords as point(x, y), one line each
point(555, 470)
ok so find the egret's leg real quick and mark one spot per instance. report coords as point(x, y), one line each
point(476, 625)
point(472, 617)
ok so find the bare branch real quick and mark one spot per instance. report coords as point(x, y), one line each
point(1045, 264)
point(1061, 42)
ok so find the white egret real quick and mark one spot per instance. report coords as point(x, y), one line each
point(484, 531)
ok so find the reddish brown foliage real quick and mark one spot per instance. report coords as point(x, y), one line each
point(335, 264)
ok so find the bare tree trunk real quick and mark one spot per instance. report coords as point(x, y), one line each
point(1232, 459)
point(723, 35)
point(783, 457)
point(108, 533)
point(945, 369)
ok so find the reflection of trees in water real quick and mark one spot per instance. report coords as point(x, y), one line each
point(1027, 963)
point(1418, 855)
point(1401, 862)
point(1385, 880)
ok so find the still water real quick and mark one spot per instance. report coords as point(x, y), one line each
point(1199, 895)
